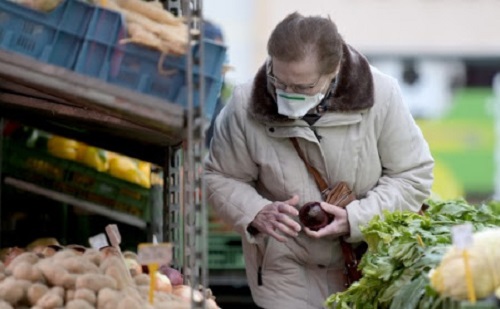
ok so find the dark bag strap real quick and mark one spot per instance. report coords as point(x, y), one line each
point(351, 258)
point(322, 184)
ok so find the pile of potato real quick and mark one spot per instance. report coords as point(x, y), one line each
point(77, 278)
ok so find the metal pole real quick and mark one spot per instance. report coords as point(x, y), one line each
point(496, 108)
point(195, 235)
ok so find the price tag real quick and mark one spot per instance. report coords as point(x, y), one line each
point(114, 235)
point(99, 241)
point(154, 253)
point(462, 236)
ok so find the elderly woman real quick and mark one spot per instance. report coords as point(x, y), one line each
point(351, 124)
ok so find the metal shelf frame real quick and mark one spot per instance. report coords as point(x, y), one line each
point(66, 103)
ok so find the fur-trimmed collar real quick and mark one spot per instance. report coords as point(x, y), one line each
point(352, 90)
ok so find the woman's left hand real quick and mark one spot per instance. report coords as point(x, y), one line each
point(338, 227)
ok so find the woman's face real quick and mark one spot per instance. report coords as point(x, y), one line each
point(299, 76)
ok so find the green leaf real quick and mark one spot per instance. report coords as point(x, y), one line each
point(409, 296)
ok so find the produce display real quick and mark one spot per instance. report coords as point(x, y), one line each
point(119, 166)
point(410, 262)
point(148, 23)
point(47, 275)
point(484, 262)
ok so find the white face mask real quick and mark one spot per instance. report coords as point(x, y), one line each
point(296, 105)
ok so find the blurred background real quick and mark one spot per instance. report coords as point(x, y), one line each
point(445, 55)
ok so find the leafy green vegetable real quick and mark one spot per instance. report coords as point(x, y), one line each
point(402, 248)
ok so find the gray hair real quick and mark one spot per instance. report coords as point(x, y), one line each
point(296, 36)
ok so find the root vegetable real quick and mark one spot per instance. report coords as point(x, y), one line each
point(79, 304)
point(86, 294)
point(48, 252)
point(64, 254)
point(150, 11)
point(70, 295)
point(133, 292)
point(163, 283)
point(130, 255)
point(313, 216)
point(79, 265)
point(27, 257)
point(211, 304)
point(117, 274)
point(175, 38)
point(35, 292)
point(93, 256)
point(13, 290)
point(184, 292)
point(95, 282)
point(139, 35)
point(133, 266)
point(27, 271)
point(9, 254)
point(52, 299)
point(173, 274)
point(114, 266)
point(142, 279)
point(107, 299)
point(5, 305)
point(55, 275)
point(130, 303)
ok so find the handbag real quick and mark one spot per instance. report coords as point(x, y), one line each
point(340, 195)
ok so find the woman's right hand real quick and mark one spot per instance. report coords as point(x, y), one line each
point(275, 218)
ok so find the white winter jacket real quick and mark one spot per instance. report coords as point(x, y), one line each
point(367, 138)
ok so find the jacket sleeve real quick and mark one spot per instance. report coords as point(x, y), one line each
point(230, 172)
point(407, 166)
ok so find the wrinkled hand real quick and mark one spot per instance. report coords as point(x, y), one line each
point(338, 227)
point(276, 217)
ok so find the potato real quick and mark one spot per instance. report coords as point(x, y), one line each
point(64, 254)
point(79, 265)
point(93, 256)
point(107, 299)
point(55, 275)
point(79, 304)
point(86, 294)
point(27, 271)
point(129, 302)
point(35, 292)
point(51, 299)
point(5, 305)
point(12, 290)
point(70, 295)
point(133, 292)
point(142, 279)
point(28, 257)
point(95, 282)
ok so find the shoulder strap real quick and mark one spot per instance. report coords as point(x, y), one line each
point(320, 182)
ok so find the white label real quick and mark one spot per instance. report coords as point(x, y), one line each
point(462, 236)
point(114, 235)
point(99, 241)
point(155, 254)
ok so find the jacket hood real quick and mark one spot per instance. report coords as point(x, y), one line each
point(352, 90)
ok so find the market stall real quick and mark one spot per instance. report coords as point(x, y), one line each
point(119, 101)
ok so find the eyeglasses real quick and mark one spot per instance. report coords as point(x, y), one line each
point(296, 88)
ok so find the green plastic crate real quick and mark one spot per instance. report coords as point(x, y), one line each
point(39, 167)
